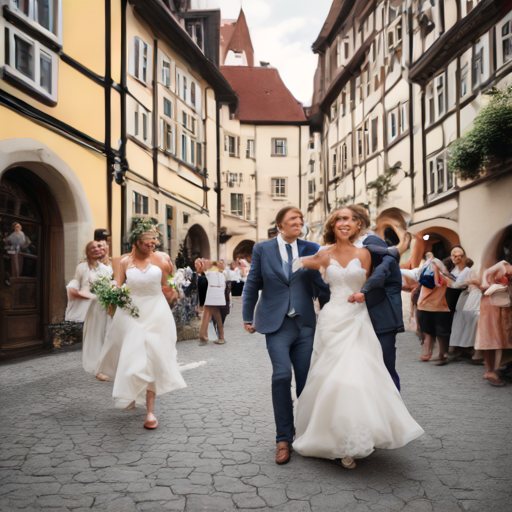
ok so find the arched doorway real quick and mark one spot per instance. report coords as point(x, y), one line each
point(31, 261)
point(244, 250)
point(195, 245)
point(436, 239)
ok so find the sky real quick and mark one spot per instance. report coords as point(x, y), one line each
point(282, 32)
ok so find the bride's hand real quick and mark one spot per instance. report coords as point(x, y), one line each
point(357, 297)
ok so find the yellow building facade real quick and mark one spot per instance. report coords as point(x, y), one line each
point(108, 112)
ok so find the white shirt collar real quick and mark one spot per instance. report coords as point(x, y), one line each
point(282, 248)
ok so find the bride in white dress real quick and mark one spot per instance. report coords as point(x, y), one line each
point(350, 405)
point(139, 354)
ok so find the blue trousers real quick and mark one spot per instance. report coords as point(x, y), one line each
point(388, 341)
point(291, 345)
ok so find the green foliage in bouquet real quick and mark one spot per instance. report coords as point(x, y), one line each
point(490, 139)
point(112, 296)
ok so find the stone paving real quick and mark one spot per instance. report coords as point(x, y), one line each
point(64, 447)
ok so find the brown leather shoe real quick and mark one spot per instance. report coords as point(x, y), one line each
point(283, 452)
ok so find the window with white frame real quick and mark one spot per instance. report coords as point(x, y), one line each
point(184, 147)
point(141, 63)
point(343, 102)
point(250, 149)
point(334, 163)
point(30, 62)
point(248, 207)
point(140, 204)
point(478, 66)
point(278, 147)
point(440, 174)
point(404, 120)
point(168, 108)
point(432, 176)
point(192, 152)
point(184, 79)
point(464, 81)
point(231, 145)
point(375, 134)
point(440, 95)
point(311, 166)
point(359, 144)
point(506, 41)
point(166, 72)
point(431, 106)
point(193, 94)
point(199, 155)
point(167, 136)
point(44, 14)
point(393, 128)
point(366, 139)
point(346, 47)
point(195, 31)
point(344, 151)
point(334, 110)
point(141, 124)
point(237, 204)
point(359, 89)
point(311, 189)
point(278, 187)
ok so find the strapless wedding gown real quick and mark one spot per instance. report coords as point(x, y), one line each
point(350, 405)
point(139, 354)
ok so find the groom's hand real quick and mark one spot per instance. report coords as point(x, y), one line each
point(249, 327)
point(357, 297)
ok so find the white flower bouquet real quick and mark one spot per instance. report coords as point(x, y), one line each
point(111, 296)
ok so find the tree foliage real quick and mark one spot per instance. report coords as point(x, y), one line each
point(490, 139)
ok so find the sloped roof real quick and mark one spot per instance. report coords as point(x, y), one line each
point(263, 97)
point(235, 36)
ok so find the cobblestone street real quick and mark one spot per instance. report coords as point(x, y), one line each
point(64, 447)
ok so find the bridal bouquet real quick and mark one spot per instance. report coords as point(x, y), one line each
point(180, 279)
point(111, 296)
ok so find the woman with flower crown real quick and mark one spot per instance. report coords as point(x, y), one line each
point(139, 354)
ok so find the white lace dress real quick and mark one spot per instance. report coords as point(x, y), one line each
point(350, 405)
point(139, 354)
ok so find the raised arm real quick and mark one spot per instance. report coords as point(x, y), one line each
point(316, 262)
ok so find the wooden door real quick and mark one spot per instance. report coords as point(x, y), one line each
point(21, 269)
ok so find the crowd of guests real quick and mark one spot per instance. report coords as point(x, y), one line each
point(467, 313)
point(215, 284)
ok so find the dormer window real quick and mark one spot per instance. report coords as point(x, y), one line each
point(195, 31)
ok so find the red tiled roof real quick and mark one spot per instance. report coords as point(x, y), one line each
point(263, 95)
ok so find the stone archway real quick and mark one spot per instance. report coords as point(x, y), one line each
point(68, 192)
point(195, 245)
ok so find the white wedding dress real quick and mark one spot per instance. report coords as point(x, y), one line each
point(139, 354)
point(350, 405)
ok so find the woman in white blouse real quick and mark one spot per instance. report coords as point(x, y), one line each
point(83, 306)
point(215, 299)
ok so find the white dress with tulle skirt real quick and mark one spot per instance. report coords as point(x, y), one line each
point(139, 354)
point(350, 405)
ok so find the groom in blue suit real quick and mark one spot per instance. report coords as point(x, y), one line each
point(285, 314)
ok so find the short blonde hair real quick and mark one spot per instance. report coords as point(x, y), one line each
point(359, 213)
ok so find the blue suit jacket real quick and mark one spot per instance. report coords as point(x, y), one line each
point(383, 289)
point(278, 295)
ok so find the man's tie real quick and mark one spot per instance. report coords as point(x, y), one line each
point(290, 260)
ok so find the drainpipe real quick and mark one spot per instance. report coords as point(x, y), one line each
point(411, 118)
point(300, 166)
point(155, 110)
point(122, 149)
point(256, 192)
point(218, 188)
point(424, 146)
point(108, 111)
point(205, 150)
